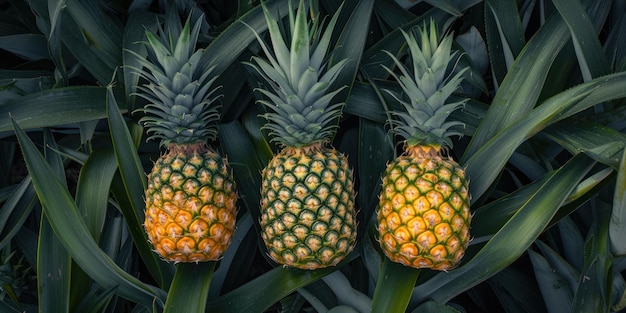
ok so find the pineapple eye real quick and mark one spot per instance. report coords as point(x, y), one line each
point(401, 183)
point(443, 231)
point(307, 217)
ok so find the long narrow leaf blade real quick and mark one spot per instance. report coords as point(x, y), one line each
point(617, 227)
point(190, 287)
point(394, 287)
point(53, 261)
point(132, 175)
point(72, 231)
point(257, 296)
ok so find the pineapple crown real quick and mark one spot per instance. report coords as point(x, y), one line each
point(299, 104)
point(182, 108)
point(423, 120)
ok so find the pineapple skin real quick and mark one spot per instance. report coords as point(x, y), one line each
point(190, 204)
point(424, 215)
point(308, 219)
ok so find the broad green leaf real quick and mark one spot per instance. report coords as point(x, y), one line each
point(5, 306)
point(591, 58)
point(15, 210)
point(562, 268)
point(619, 292)
point(54, 107)
point(230, 43)
point(594, 287)
point(18, 209)
point(375, 150)
point(28, 46)
point(504, 35)
point(55, 36)
point(92, 190)
point(364, 102)
point(92, 198)
point(93, 37)
point(516, 291)
point(72, 231)
point(246, 166)
point(256, 296)
point(350, 45)
point(237, 259)
point(434, 307)
point(394, 287)
point(617, 226)
point(447, 6)
point(523, 83)
point(132, 174)
point(512, 239)
point(600, 142)
point(484, 165)
point(190, 287)
point(134, 33)
point(573, 244)
point(53, 270)
point(53, 261)
point(345, 293)
point(556, 293)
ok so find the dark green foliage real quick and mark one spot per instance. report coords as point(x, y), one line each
point(543, 146)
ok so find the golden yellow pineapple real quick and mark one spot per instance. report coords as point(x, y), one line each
point(191, 194)
point(308, 218)
point(424, 215)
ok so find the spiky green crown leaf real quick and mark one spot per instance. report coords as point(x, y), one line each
point(300, 108)
point(182, 108)
point(426, 90)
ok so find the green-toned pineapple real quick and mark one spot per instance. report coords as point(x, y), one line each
point(308, 218)
point(190, 200)
point(424, 215)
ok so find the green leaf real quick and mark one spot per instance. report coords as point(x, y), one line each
point(447, 6)
point(375, 149)
point(617, 226)
point(92, 190)
point(516, 291)
point(556, 293)
point(394, 287)
point(237, 259)
point(594, 287)
point(523, 83)
point(93, 37)
point(230, 43)
point(15, 210)
point(52, 107)
point(346, 295)
point(434, 307)
point(190, 287)
point(505, 36)
point(28, 46)
point(513, 238)
point(247, 167)
point(602, 143)
point(484, 165)
point(53, 261)
point(258, 296)
point(133, 177)
point(72, 231)
point(591, 58)
point(350, 45)
point(138, 23)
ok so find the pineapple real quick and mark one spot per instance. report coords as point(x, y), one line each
point(424, 214)
point(308, 218)
point(191, 195)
